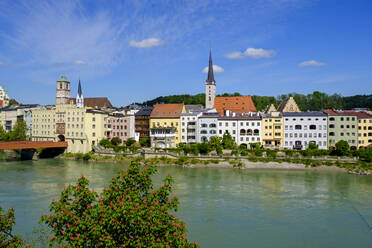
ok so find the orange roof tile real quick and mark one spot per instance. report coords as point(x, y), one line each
point(168, 110)
point(236, 104)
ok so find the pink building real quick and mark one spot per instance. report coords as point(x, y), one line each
point(122, 126)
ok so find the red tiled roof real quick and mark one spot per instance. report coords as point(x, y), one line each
point(167, 110)
point(236, 104)
point(94, 102)
point(361, 115)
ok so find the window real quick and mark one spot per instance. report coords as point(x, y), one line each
point(312, 127)
point(93, 126)
point(298, 127)
point(204, 125)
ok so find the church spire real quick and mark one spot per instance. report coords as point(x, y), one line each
point(210, 78)
point(80, 93)
point(79, 97)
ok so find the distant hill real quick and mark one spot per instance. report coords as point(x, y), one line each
point(314, 101)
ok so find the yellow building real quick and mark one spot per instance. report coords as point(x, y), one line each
point(272, 130)
point(81, 128)
point(364, 129)
point(165, 125)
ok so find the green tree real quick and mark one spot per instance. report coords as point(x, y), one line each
point(145, 142)
point(116, 141)
point(105, 143)
point(130, 142)
point(129, 213)
point(204, 148)
point(4, 136)
point(7, 238)
point(18, 133)
point(216, 144)
point(312, 146)
point(228, 142)
point(342, 148)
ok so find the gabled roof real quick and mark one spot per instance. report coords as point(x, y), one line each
point(270, 108)
point(361, 115)
point(236, 104)
point(168, 110)
point(94, 102)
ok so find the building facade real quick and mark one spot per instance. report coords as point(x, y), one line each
point(244, 129)
point(189, 127)
point(207, 127)
point(342, 126)
point(165, 125)
point(122, 126)
point(272, 130)
point(364, 129)
point(142, 122)
point(303, 128)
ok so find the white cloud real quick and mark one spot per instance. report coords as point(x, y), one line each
point(79, 62)
point(234, 55)
point(147, 43)
point(311, 63)
point(216, 69)
point(257, 53)
point(2, 64)
point(254, 53)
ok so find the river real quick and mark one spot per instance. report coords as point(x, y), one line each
point(222, 207)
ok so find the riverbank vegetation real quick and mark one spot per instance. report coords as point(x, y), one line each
point(128, 213)
point(18, 132)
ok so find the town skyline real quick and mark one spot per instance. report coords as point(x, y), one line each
point(115, 55)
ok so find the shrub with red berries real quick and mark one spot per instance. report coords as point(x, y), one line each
point(7, 238)
point(129, 213)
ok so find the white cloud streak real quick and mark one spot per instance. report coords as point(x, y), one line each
point(311, 63)
point(216, 69)
point(147, 43)
point(253, 53)
point(80, 62)
point(3, 63)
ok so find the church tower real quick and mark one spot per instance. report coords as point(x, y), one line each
point(63, 90)
point(210, 85)
point(79, 97)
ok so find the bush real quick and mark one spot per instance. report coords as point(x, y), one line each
point(7, 238)
point(365, 154)
point(105, 143)
point(204, 148)
point(130, 142)
point(129, 213)
point(116, 141)
point(228, 142)
point(145, 142)
point(244, 152)
point(271, 153)
point(258, 152)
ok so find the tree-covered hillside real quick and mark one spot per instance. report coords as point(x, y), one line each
point(314, 101)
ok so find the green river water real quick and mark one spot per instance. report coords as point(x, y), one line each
point(222, 207)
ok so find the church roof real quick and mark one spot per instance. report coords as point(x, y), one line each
point(236, 104)
point(168, 110)
point(210, 78)
point(94, 102)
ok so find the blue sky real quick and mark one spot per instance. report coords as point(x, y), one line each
point(132, 51)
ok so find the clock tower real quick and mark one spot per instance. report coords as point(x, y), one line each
point(63, 90)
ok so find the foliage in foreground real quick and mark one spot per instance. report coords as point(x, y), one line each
point(129, 213)
point(7, 238)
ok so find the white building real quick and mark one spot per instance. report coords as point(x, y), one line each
point(189, 127)
point(207, 126)
point(4, 98)
point(244, 129)
point(303, 128)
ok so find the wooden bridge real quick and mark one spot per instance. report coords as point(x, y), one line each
point(20, 145)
